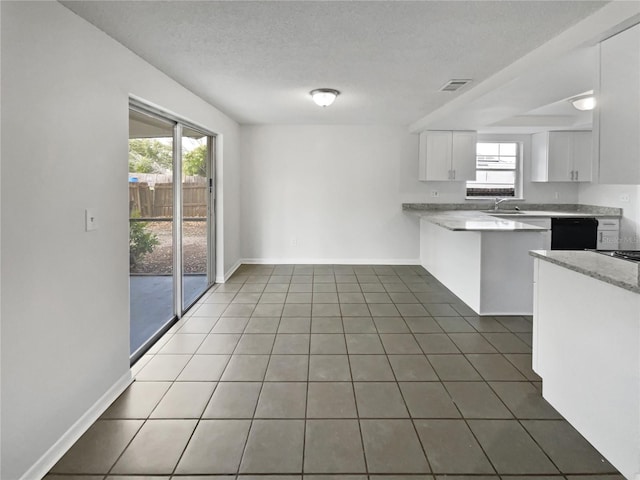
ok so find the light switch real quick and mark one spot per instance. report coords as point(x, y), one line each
point(90, 220)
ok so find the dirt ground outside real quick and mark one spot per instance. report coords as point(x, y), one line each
point(160, 261)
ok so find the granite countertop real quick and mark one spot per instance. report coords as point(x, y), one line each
point(526, 209)
point(548, 213)
point(458, 220)
point(621, 273)
point(480, 216)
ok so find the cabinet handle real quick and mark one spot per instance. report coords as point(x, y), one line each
point(454, 174)
point(572, 175)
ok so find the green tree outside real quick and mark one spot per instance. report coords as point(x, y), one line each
point(193, 161)
point(148, 155)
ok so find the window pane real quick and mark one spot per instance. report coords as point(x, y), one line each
point(508, 149)
point(151, 251)
point(195, 208)
point(492, 149)
point(496, 168)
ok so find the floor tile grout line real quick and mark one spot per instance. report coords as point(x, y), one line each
point(473, 434)
point(457, 408)
point(355, 402)
point(306, 398)
point(255, 409)
point(410, 418)
point(502, 354)
point(199, 420)
point(127, 446)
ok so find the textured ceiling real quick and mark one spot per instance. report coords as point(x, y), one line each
point(257, 61)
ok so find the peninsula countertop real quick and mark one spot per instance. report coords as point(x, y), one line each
point(476, 216)
point(517, 209)
point(459, 220)
point(621, 273)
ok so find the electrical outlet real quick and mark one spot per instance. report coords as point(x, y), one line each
point(435, 193)
point(293, 242)
point(90, 220)
point(557, 195)
point(624, 197)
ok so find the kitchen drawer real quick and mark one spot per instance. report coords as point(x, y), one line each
point(608, 224)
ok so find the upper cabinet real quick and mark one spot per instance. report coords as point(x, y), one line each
point(561, 156)
point(617, 116)
point(447, 156)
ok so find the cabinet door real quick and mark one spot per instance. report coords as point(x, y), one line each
point(560, 157)
point(608, 240)
point(435, 156)
point(617, 117)
point(463, 158)
point(582, 154)
point(540, 157)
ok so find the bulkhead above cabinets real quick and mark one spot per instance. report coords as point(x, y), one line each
point(617, 117)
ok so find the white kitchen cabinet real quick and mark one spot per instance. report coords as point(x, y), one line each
point(608, 234)
point(586, 348)
point(490, 271)
point(447, 156)
point(540, 222)
point(561, 156)
point(616, 117)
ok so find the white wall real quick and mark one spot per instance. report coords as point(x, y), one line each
point(534, 192)
point(65, 307)
point(336, 190)
point(616, 196)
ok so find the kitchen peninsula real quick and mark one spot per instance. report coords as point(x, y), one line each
point(482, 259)
point(483, 255)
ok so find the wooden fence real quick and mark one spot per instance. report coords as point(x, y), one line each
point(157, 201)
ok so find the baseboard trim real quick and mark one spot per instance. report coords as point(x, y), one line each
point(332, 261)
point(42, 466)
point(229, 272)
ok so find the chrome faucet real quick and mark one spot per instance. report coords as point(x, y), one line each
point(498, 201)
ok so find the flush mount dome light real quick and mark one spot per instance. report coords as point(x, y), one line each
point(583, 102)
point(324, 96)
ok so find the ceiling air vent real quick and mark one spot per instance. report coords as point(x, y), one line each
point(453, 85)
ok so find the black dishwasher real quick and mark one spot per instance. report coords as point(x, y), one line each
point(574, 233)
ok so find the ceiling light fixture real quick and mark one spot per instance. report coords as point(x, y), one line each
point(324, 96)
point(586, 101)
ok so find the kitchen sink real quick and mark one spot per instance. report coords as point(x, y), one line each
point(503, 212)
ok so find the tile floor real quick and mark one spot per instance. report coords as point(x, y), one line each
point(334, 370)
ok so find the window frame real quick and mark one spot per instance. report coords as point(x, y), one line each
point(518, 183)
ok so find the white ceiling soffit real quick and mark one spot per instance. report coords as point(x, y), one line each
point(563, 67)
point(258, 60)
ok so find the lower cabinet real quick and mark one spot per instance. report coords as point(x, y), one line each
point(608, 234)
point(586, 348)
point(608, 231)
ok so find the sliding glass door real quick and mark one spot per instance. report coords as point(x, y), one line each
point(151, 246)
point(171, 241)
point(197, 218)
